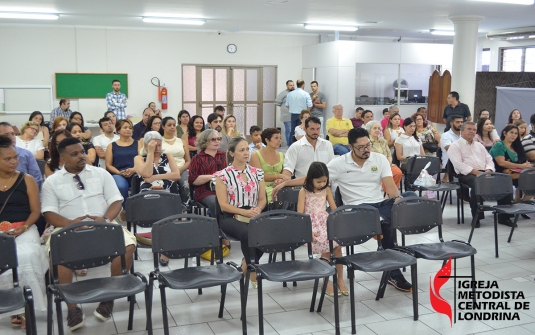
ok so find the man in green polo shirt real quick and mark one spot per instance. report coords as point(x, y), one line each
point(337, 128)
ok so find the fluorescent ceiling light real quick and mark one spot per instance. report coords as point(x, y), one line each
point(513, 2)
point(30, 16)
point(329, 27)
point(442, 32)
point(174, 20)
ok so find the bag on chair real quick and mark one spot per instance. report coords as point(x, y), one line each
point(424, 179)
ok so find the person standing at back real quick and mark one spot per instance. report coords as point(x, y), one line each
point(296, 101)
point(116, 100)
point(62, 110)
point(318, 103)
point(280, 101)
point(455, 107)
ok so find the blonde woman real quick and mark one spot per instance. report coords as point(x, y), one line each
point(44, 132)
point(28, 139)
point(229, 127)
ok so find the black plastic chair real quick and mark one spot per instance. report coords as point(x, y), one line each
point(419, 215)
point(16, 297)
point(282, 231)
point(183, 236)
point(492, 186)
point(460, 203)
point(353, 225)
point(41, 163)
point(79, 246)
point(145, 208)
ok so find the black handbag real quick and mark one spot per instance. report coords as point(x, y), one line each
point(430, 146)
point(290, 206)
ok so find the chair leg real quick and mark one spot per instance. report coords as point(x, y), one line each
point(199, 264)
point(414, 279)
point(314, 293)
point(336, 315)
point(243, 302)
point(473, 270)
point(164, 310)
point(351, 278)
point(283, 257)
point(260, 308)
point(474, 220)
point(402, 244)
point(512, 229)
point(293, 259)
point(222, 304)
point(382, 285)
point(458, 210)
point(31, 322)
point(148, 306)
point(131, 312)
point(49, 311)
point(496, 233)
point(59, 316)
point(270, 259)
point(462, 211)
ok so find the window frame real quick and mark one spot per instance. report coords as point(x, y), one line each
point(522, 60)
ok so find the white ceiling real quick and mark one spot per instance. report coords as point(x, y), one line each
point(395, 18)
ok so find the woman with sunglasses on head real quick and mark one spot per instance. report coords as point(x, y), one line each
point(29, 141)
point(203, 165)
point(44, 132)
point(77, 117)
point(21, 210)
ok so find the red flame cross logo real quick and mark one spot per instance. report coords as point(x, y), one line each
point(439, 304)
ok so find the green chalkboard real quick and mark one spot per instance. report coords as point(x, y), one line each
point(88, 85)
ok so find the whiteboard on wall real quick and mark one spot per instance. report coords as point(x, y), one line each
point(25, 99)
point(509, 98)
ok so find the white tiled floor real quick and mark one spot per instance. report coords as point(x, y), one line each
point(286, 310)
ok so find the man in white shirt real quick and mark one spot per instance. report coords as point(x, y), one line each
point(296, 101)
point(310, 148)
point(452, 135)
point(359, 175)
point(102, 141)
point(470, 159)
point(80, 189)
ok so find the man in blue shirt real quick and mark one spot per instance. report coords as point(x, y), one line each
point(27, 162)
point(296, 101)
point(62, 110)
point(117, 101)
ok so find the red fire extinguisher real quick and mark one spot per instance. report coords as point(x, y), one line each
point(163, 96)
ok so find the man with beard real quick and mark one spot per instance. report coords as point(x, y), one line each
point(359, 175)
point(117, 101)
point(81, 192)
point(318, 103)
point(452, 135)
point(215, 120)
point(140, 127)
point(285, 118)
point(310, 148)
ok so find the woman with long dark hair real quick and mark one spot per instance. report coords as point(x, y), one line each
point(408, 144)
point(182, 120)
point(77, 117)
point(195, 128)
point(484, 133)
point(154, 124)
point(52, 165)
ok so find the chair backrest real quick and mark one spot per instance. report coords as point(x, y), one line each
point(338, 198)
point(415, 215)
point(184, 235)
point(145, 208)
point(351, 225)
point(8, 258)
point(492, 186)
point(290, 194)
point(86, 244)
point(280, 230)
point(415, 164)
point(41, 163)
point(526, 181)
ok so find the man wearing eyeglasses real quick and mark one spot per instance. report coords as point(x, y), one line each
point(359, 175)
point(80, 192)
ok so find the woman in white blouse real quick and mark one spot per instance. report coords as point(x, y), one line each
point(28, 139)
point(408, 144)
point(173, 145)
point(241, 194)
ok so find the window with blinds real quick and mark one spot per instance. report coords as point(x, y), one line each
point(517, 59)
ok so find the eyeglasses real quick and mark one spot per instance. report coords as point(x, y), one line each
point(368, 147)
point(79, 181)
point(34, 129)
point(216, 139)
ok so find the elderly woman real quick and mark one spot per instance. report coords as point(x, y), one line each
point(208, 161)
point(20, 197)
point(28, 139)
point(44, 133)
point(380, 145)
point(269, 160)
point(241, 194)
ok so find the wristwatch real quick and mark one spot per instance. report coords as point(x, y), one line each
point(107, 220)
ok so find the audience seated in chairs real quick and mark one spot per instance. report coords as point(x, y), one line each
point(182, 123)
point(80, 189)
point(195, 127)
point(208, 161)
point(337, 128)
point(154, 124)
point(393, 130)
point(76, 131)
point(20, 205)
point(44, 132)
point(408, 143)
point(241, 194)
point(172, 144)
point(102, 141)
point(359, 176)
point(300, 129)
point(77, 117)
point(54, 164)
point(485, 134)
point(59, 123)
point(270, 161)
point(380, 146)
point(120, 159)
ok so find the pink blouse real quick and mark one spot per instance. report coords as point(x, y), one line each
point(239, 192)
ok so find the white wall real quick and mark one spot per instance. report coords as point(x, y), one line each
point(335, 64)
point(31, 55)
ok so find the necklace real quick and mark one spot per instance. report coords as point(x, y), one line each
point(169, 139)
point(5, 186)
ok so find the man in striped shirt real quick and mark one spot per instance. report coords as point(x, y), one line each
point(117, 101)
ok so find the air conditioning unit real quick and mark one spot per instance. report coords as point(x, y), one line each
point(512, 34)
